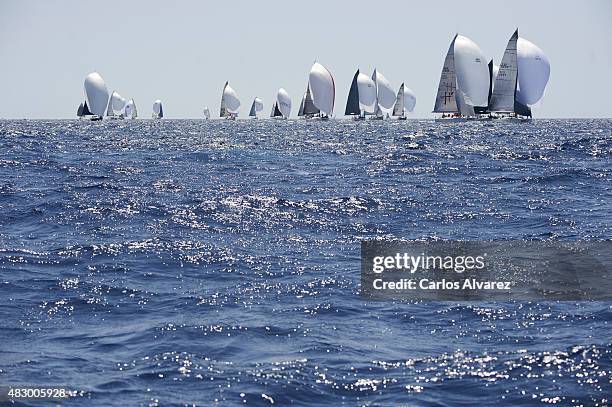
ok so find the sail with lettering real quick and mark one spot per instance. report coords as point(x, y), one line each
point(504, 87)
point(446, 101)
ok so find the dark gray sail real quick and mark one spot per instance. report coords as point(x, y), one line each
point(161, 111)
point(446, 98)
point(275, 111)
point(504, 88)
point(309, 106)
point(352, 103)
point(80, 110)
point(301, 109)
point(223, 111)
point(86, 111)
point(252, 112)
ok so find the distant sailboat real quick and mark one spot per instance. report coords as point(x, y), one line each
point(307, 107)
point(283, 103)
point(130, 111)
point(116, 103)
point(321, 84)
point(404, 102)
point(96, 95)
point(385, 95)
point(158, 109)
point(523, 67)
point(206, 112)
point(256, 107)
point(276, 111)
point(362, 97)
point(230, 103)
point(463, 91)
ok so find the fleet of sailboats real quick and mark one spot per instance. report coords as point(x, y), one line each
point(470, 88)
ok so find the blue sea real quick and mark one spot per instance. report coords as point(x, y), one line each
point(217, 263)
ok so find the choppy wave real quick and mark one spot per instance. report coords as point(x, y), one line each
point(181, 262)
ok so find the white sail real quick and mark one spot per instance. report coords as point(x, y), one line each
point(96, 94)
point(409, 99)
point(206, 112)
point(117, 102)
point(130, 110)
point(158, 111)
point(446, 98)
point(504, 87)
point(367, 93)
point(495, 72)
point(386, 94)
point(322, 88)
point(472, 72)
point(258, 104)
point(533, 72)
point(284, 102)
point(230, 97)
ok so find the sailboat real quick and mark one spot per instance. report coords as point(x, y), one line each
point(130, 111)
point(385, 95)
point(206, 112)
point(158, 109)
point(256, 107)
point(463, 90)
point(96, 95)
point(307, 108)
point(230, 104)
point(362, 97)
point(282, 105)
point(404, 102)
point(116, 103)
point(521, 80)
point(83, 110)
point(323, 88)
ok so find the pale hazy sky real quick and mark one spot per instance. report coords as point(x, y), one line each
point(183, 51)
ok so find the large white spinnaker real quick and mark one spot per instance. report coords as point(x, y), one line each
point(322, 88)
point(283, 102)
point(96, 94)
point(472, 71)
point(367, 93)
point(533, 72)
point(230, 103)
point(386, 94)
point(158, 110)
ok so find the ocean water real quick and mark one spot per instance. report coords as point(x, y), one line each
point(217, 263)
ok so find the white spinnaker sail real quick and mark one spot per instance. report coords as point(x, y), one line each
point(258, 105)
point(367, 93)
point(533, 72)
point(386, 94)
point(232, 102)
point(96, 94)
point(130, 109)
point(504, 86)
point(206, 112)
point(117, 102)
point(409, 99)
point(284, 102)
point(322, 88)
point(472, 72)
point(157, 108)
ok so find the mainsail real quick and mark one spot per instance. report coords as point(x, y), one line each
point(80, 110)
point(307, 107)
point(398, 108)
point(223, 111)
point(275, 112)
point(504, 88)
point(256, 107)
point(86, 111)
point(447, 88)
point(321, 84)
point(352, 103)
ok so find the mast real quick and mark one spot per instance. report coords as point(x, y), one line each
point(352, 103)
